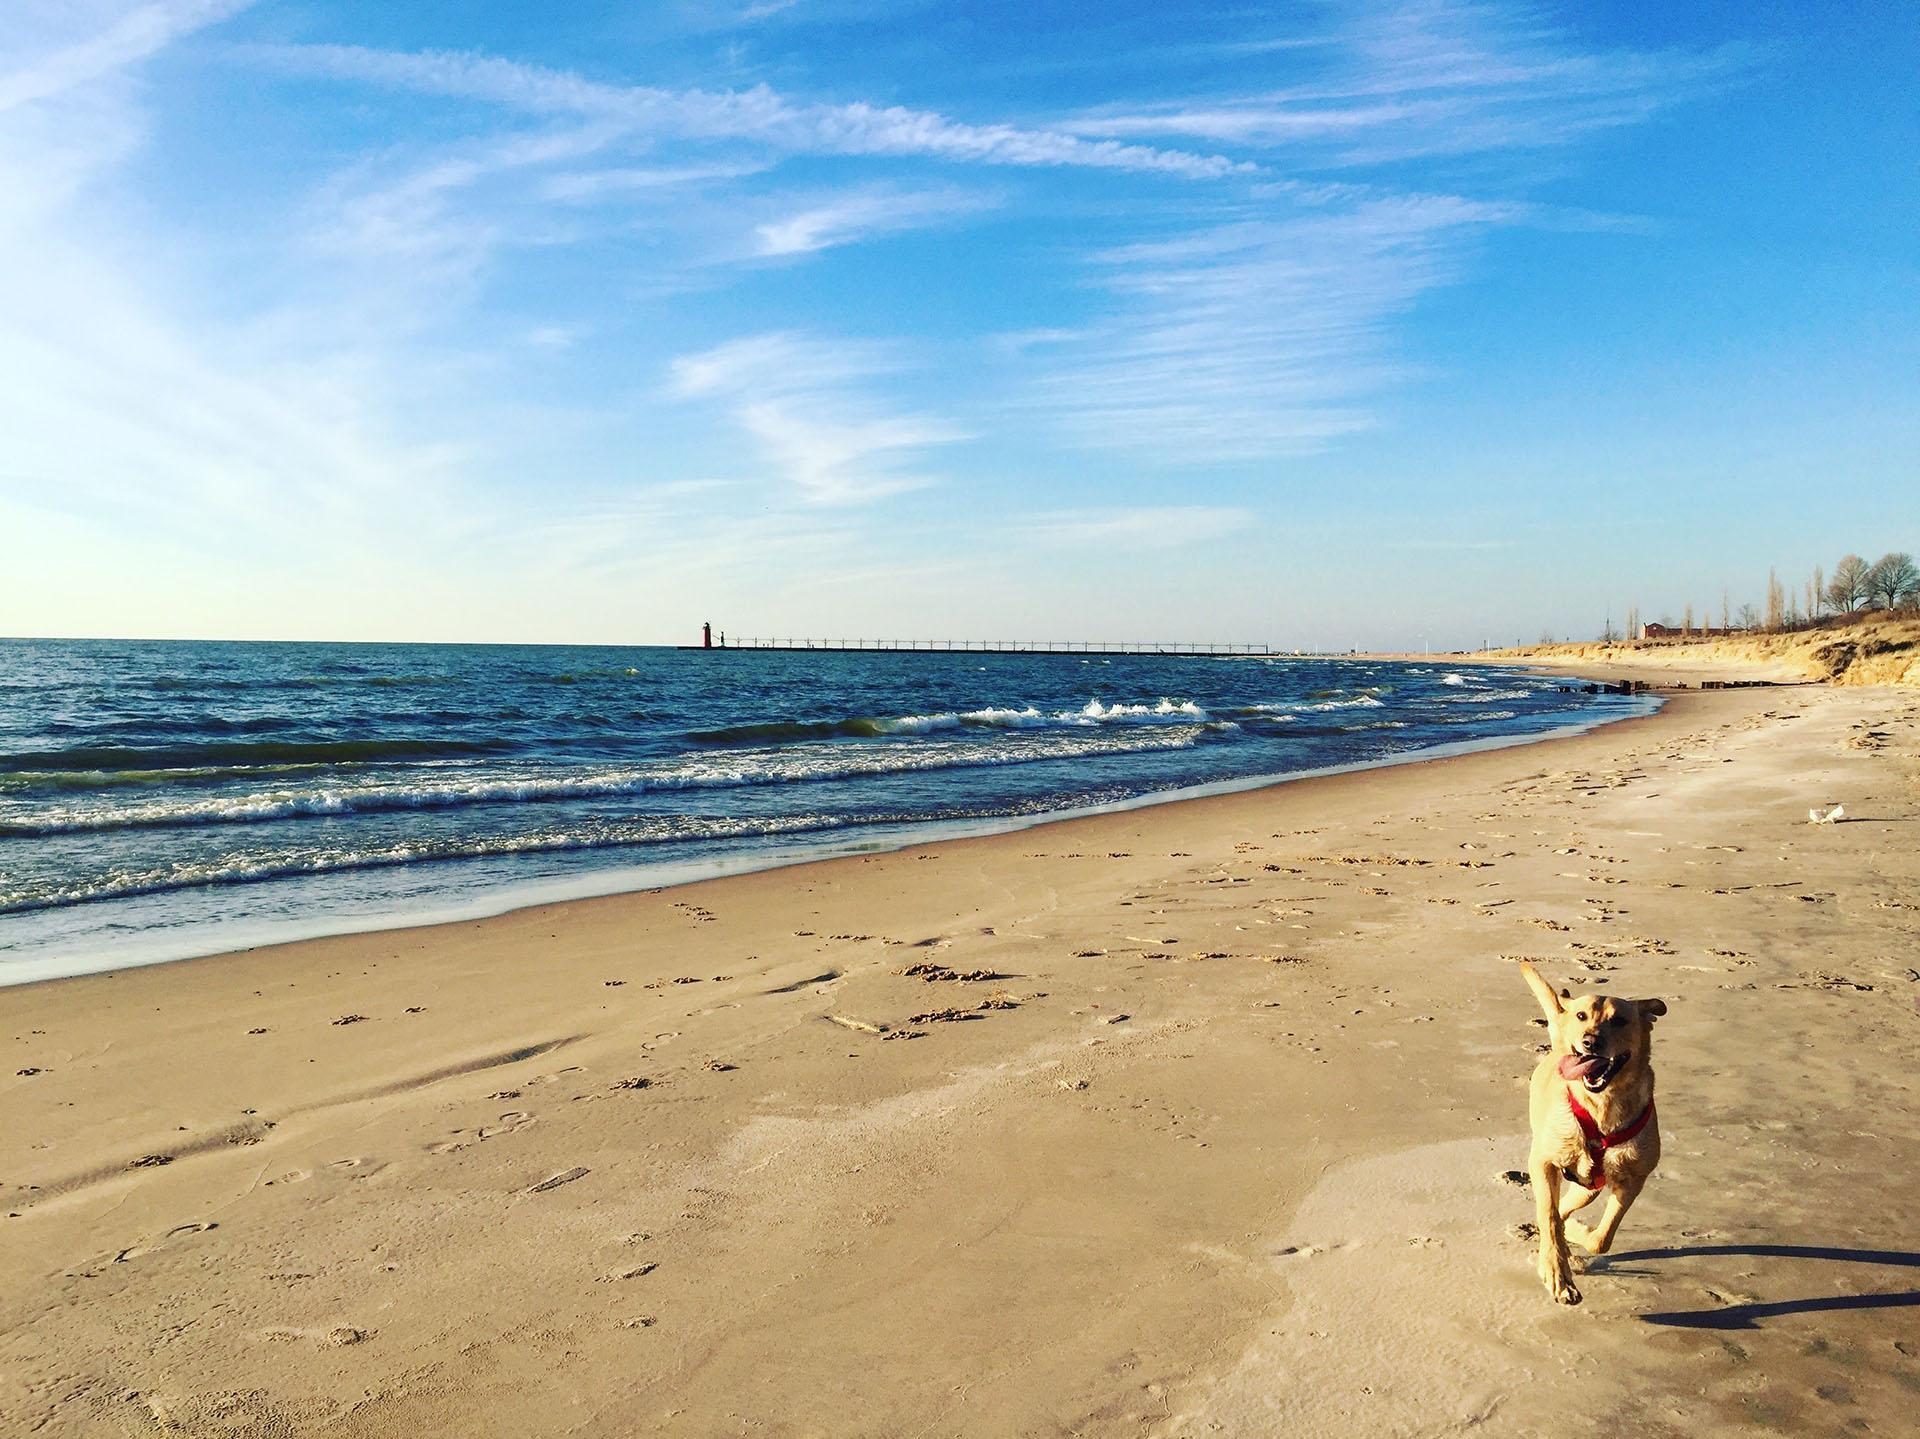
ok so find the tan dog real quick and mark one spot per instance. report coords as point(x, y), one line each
point(1591, 1107)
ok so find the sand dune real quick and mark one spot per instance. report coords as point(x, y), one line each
point(1878, 649)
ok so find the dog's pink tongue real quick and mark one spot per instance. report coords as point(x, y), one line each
point(1578, 1066)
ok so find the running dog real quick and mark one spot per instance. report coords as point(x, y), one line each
point(1591, 1108)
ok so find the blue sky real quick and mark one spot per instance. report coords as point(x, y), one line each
point(1317, 324)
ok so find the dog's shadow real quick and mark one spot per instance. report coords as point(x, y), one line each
point(1748, 1316)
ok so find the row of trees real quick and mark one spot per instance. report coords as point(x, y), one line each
point(1891, 582)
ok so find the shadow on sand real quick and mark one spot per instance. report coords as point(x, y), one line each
point(1747, 1316)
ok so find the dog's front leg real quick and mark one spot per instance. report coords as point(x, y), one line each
point(1555, 1270)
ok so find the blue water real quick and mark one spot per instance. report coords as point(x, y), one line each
point(160, 799)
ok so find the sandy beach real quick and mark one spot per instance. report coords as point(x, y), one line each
point(1191, 1120)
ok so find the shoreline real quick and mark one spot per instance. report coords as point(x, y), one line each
point(512, 897)
point(1188, 1118)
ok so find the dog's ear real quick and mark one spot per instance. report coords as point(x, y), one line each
point(1652, 1008)
point(1542, 991)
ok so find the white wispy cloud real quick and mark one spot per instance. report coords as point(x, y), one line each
point(862, 214)
point(808, 405)
point(54, 48)
point(1254, 338)
point(761, 114)
point(1139, 527)
point(425, 211)
point(68, 91)
point(1433, 77)
point(778, 362)
point(617, 181)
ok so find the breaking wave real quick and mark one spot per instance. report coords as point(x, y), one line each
point(1094, 712)
point(254, 866)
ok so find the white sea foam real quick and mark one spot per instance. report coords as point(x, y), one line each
point(1094, 712)
point(1027, 718)
point(1358, 702)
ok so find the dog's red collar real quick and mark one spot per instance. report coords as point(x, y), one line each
point(1598, 1141)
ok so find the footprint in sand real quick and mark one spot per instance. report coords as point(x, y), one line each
point(338, 1337)
point(357, 1166)
point(513, 1119)
point(1308, 1251)
point(94, 1268)
point(636, 1271)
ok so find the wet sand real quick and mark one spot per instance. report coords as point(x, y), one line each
point(1183, 1121)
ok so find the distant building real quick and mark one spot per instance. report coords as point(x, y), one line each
point(1698, 632)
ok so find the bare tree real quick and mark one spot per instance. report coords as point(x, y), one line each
point(1847, 590)
point(1726, 612)
point(1776, 602)
point(1749, 617)
point(1633, 622)
point(1686, 625)
point(1894, 580)
point(1816, 592)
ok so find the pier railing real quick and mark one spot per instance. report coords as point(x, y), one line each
point(994, 647)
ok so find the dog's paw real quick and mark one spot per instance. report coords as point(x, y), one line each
point(1563, 1291)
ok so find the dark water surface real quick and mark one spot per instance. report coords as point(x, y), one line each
point(159, 799)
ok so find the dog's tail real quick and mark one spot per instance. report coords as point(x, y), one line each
point(1542, 991)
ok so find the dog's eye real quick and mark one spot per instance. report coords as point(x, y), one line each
point(1581, 1015)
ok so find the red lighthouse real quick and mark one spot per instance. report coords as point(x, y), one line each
point(706, 635)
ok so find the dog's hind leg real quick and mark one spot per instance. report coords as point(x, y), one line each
point(1556, 1272)
point(1578, 1198)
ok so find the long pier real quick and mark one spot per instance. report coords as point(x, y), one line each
point(983, 647)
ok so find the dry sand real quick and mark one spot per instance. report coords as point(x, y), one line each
point(1188, 1121)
